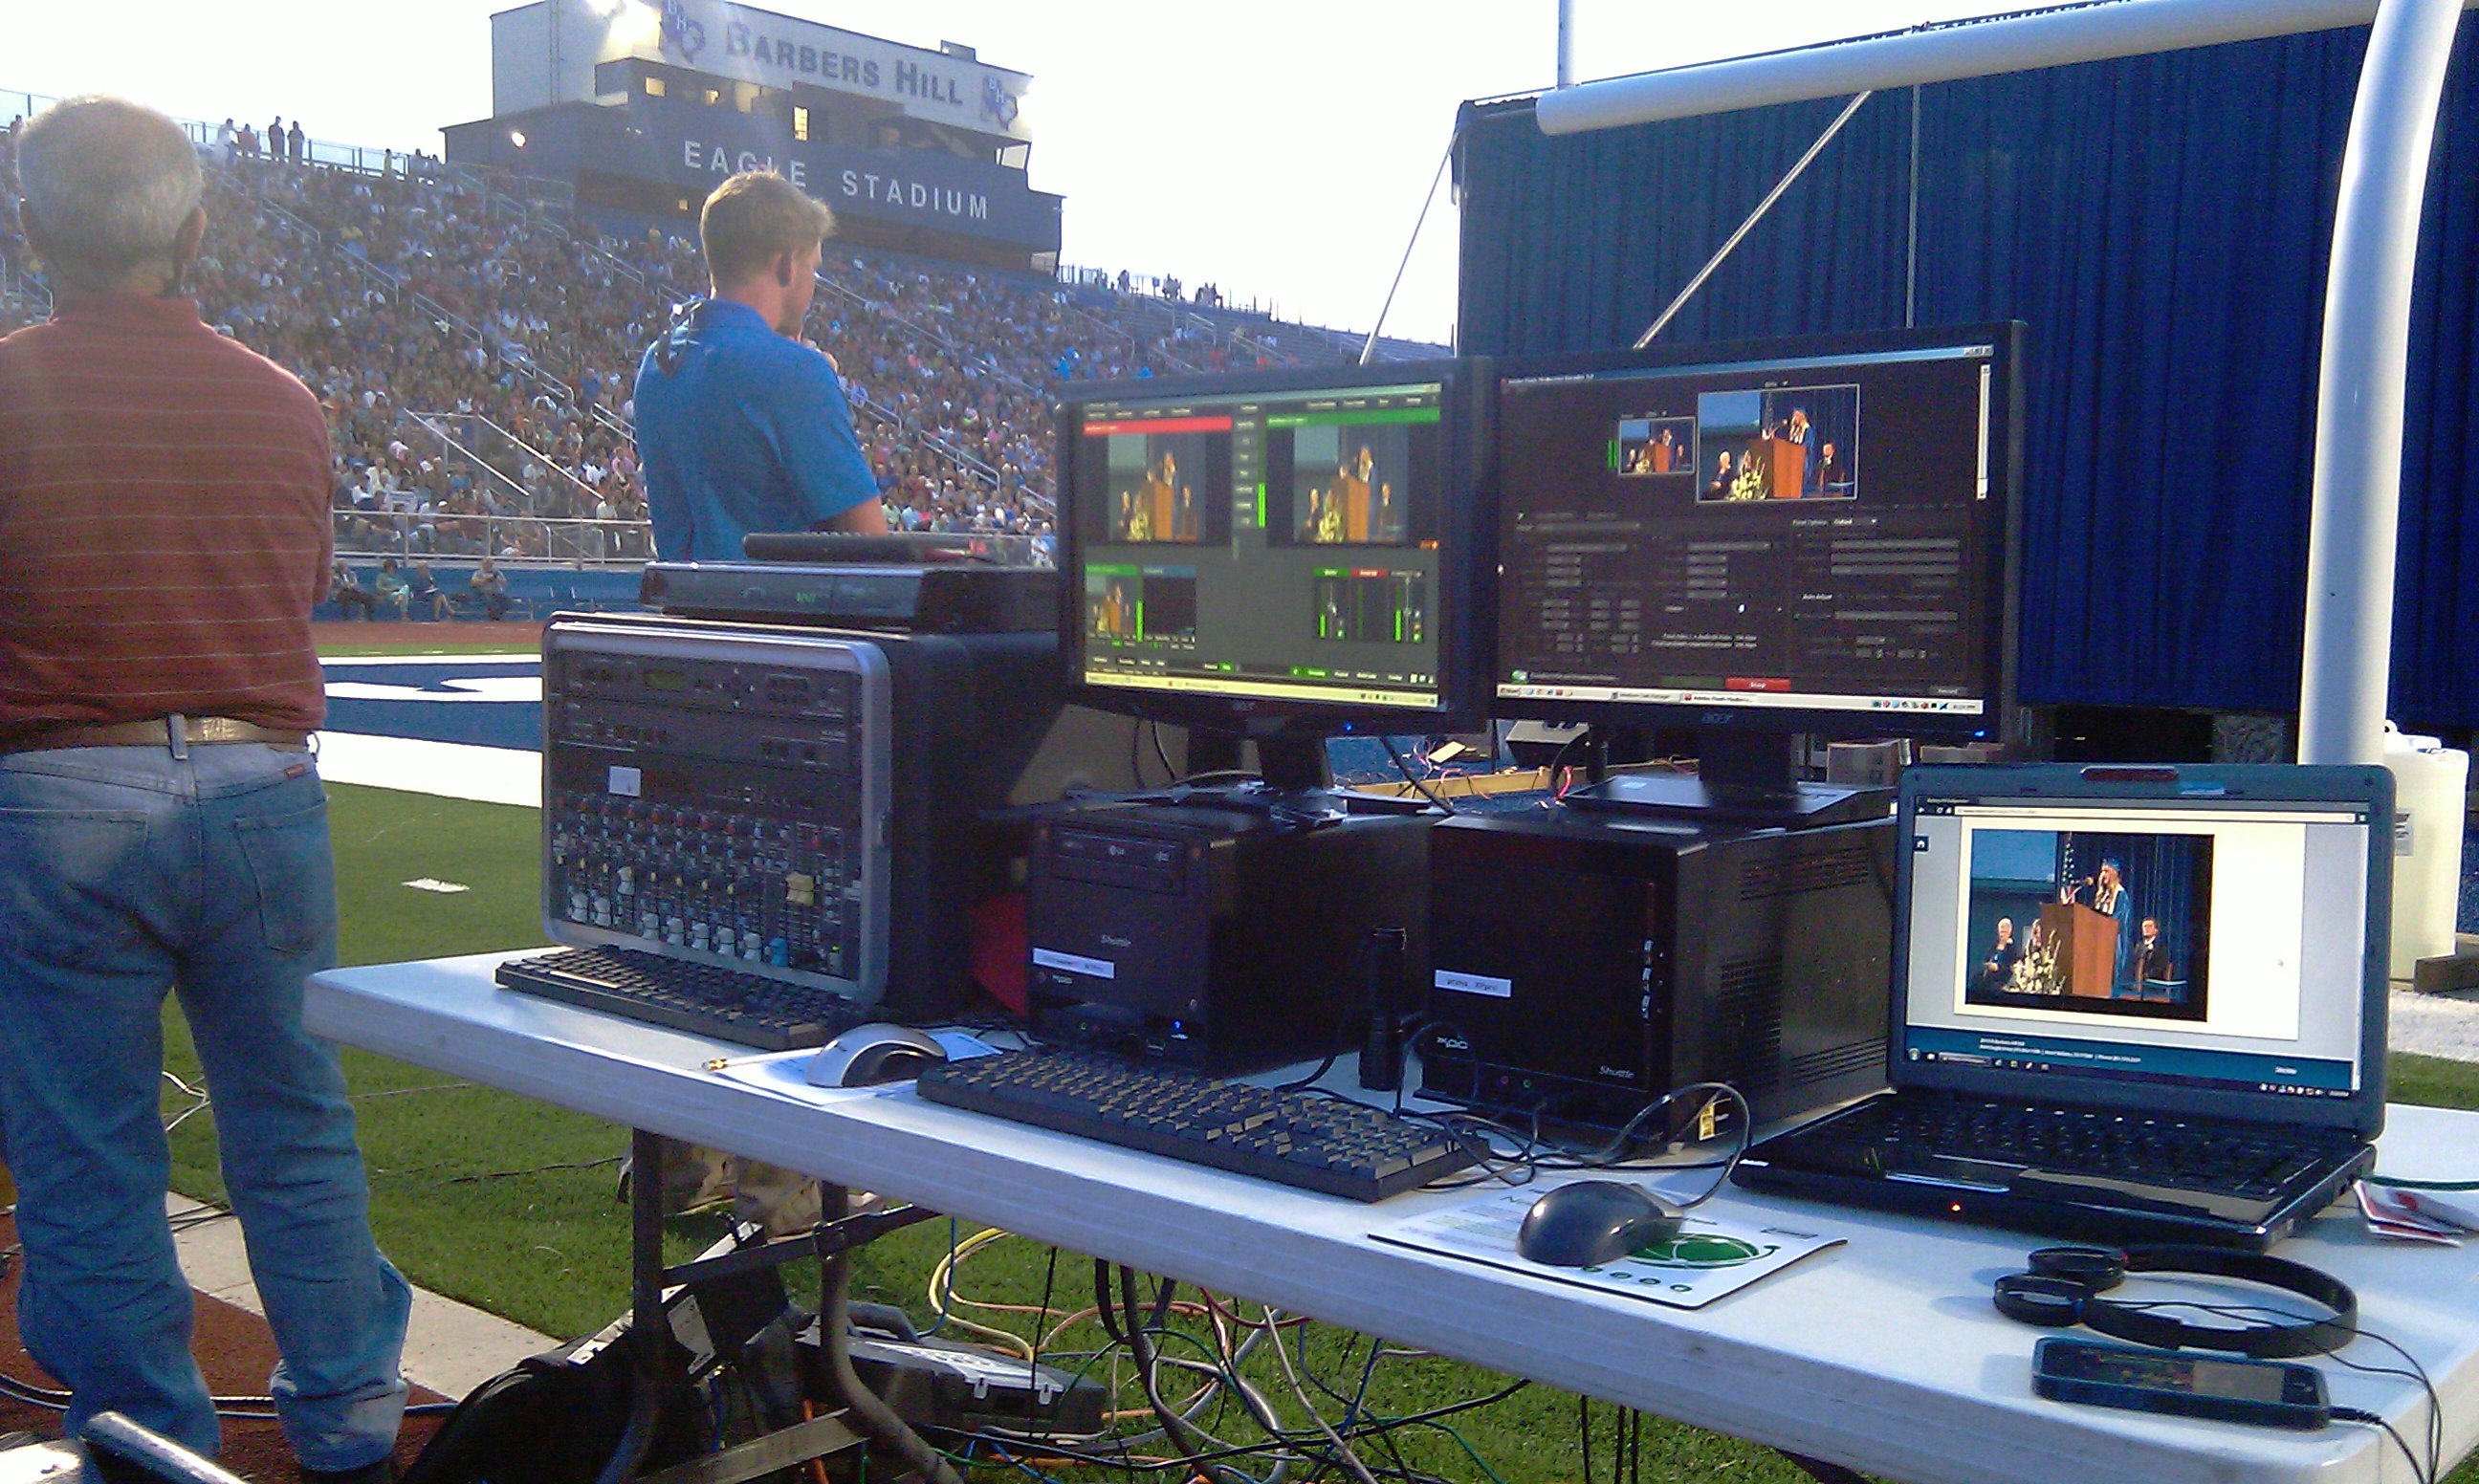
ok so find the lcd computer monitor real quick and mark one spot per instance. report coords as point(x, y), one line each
point(1761, 541)
point(1281, 557)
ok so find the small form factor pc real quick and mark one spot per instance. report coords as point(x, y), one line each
point(1268, 560)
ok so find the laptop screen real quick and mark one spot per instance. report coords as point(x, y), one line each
point(2215, 944)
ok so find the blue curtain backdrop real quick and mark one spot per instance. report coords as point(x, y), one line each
point(2162, 224)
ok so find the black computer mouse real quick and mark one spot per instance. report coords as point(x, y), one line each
point(874, 1053)
point(1590, 1222)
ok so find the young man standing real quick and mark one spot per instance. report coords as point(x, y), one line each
point(741, 427)
point(163, 534)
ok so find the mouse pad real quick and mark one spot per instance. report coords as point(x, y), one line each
point(1712, 1256)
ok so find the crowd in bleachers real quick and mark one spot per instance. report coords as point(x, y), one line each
point(476, 357)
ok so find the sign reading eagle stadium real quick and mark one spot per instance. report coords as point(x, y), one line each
point(700, 147)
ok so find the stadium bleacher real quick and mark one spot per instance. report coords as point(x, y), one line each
point(475, 344)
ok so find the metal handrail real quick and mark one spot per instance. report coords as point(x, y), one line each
point(575, 532)
point(429, 422)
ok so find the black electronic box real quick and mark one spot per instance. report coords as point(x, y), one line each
point(916, 597)
point(1210, 937)
point(1583, 966)
point(961, 716)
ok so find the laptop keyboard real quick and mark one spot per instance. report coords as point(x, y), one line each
point(2183, 1153)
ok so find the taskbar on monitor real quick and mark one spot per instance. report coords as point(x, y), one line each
point(1270, 690)
point(1752, 694)
point(2182, 1067)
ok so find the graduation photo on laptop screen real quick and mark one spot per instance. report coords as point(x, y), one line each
point(2110, 923)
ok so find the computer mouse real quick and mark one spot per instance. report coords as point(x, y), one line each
point(1594, 1221)
point(874, 1053)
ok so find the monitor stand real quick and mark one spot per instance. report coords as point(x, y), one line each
point(1741, 778)
point(1295, 781)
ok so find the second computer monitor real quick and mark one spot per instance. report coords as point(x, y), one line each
point(1284, 556)
point(1811, 536)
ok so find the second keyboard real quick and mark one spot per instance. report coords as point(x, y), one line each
point(1293, 1137)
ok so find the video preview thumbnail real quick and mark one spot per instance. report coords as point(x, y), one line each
point(2111, 923)
point(1129, 605)
point(1778, 443)
point(1340, 483)
point(1166, 486)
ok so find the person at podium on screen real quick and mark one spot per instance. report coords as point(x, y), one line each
point(1802, 432)
point(1721, 485)
point(2107, 895)
point(1162, 486)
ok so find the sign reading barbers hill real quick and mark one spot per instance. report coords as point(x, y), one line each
point(744, 42)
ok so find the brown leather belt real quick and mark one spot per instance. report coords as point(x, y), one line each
point(195, 731)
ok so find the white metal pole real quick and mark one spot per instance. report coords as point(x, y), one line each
point(1565, 42)
point(2357, 491)
point(1368, 351)
point(1938, 54)
point(1671, 309)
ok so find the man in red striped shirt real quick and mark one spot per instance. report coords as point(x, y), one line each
point(164, 533)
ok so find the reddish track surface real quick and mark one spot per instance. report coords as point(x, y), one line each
point(234, 1350)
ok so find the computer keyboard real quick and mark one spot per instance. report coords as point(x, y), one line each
point(708, 999)
point(2191, 1152)
point(1293, 1137)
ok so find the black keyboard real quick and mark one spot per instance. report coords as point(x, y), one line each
point(1296, 1138)
point(2187, 1153)
point(707, 999)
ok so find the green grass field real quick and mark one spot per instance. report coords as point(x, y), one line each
point(510, 1204)
point(347, 641)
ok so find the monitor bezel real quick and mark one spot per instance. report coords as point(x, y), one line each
point(1466, 558)
point(2004, 721)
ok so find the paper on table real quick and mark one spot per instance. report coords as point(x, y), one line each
point(1706, 1260)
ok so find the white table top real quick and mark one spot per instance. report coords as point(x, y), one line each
point(1883, 1353)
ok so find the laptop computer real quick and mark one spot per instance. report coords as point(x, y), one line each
point(2130, 1004)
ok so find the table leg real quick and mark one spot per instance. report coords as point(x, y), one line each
point(649, 1327)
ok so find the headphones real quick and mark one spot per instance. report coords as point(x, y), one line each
point(686, 320)
point(2065, 1285)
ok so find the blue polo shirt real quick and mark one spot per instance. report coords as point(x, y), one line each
point(740, 429)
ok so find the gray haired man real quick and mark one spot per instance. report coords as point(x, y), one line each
point(163, 533)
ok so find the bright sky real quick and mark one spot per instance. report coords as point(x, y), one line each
point(1279, 148)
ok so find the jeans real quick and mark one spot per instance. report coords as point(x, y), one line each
point(126, 871)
